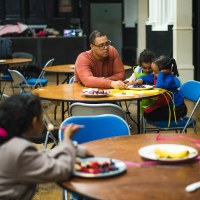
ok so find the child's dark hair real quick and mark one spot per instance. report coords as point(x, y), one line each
point(164, 62)
point(146, 56)
point(16, 115)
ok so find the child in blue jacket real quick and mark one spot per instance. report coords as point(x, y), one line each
point(164, 72)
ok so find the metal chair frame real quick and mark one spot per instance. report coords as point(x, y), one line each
point(191, 91)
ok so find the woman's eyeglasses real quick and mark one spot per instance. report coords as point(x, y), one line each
point(103, 45)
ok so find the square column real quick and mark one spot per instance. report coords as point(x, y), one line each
point(183, 39)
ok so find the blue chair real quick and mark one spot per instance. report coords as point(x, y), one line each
point(40, 81)
point(191, 91)
point(31, 83)
point(96, 127)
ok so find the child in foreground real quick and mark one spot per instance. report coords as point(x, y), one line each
point(22, 166)
point(164, 73)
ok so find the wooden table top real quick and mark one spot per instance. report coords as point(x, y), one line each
point(156, 182)
point(14, 62)
point(68, 68)
point(73, 93)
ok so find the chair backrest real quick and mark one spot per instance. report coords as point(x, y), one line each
point(47, 64)
point(71, 80)
point(17, 77)
point(191, 90)
point(25, 55)
point(96, 127)
point(83, 109)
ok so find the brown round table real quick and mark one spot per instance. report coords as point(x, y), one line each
point(156, 182)
point(67, 69)
point(73, 93)
point(14, 62)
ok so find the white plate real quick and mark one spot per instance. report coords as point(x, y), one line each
point(87, 91)
point(96, 95)
point(148, 152)
point(119, 164)
point(2, 61)
point(146, 87)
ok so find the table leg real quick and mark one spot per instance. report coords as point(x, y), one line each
point(62, 111)
point(138, 115)
point(66, 79)
point(57, 75)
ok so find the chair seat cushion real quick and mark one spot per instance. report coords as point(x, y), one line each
point(32, 81)
point(6, 77)
point(164, 124)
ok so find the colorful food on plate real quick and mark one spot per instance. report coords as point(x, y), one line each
point(161, 153)
point(140, 87)
point(136, 86)
point(94, 91)
point(95, 167)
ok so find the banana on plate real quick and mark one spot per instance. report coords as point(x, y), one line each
point(161, 153)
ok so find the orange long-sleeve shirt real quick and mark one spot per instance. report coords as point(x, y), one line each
point(89, 71)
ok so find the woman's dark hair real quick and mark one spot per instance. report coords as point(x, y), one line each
point(94, 35)
point(164, 62)
point(146, 56)
point(17, 113)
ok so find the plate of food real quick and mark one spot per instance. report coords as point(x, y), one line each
point(95, 92)
point(1, 61)
point(168, 152)
point(96, 167)
point(140, 87)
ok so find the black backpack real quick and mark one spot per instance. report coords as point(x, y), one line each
point(5, 48)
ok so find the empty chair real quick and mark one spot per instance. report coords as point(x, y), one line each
point(30, 83)
point(191, 92)
point(19, 80)
point(81, 109)
point(41, 81)
point(30, 70)
point(96, 127)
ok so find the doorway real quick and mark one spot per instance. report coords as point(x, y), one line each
point(107, 17)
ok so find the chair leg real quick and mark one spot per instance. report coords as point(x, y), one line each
point(46, 140)
point(2, 91)
point(55, 111)
point(12, 87)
